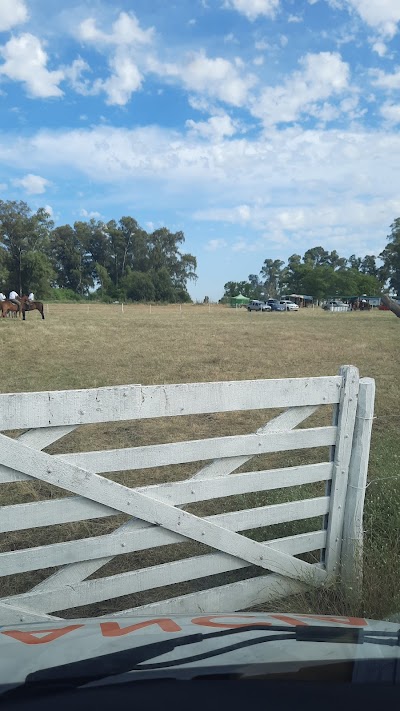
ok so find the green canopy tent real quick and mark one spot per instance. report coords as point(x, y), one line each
point(239, 300)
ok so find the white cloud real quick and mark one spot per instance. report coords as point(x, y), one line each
point(300, 187)
point(236, 215)
point(3, 187)
point(90, 214)
point(124, 80)
point(382, 15)
point(261, 45)
point(336, 226)
point(125, 31)
point(49, 210)
point(74, 74)
point(231, 38)
point(380, 48)
point(243, 245)
point(254, 8)
point(216, 128)
point(32, 184)
point(12, 13)
point(321, 76)
point(295, 18)
point(214, 244)
point(391, 112)
point(386, 81)
point(217, 78)
point(26, 61)
point(126, 41)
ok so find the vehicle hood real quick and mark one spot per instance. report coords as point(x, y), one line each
point(26, 649)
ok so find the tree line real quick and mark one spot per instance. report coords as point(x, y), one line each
point(115, 260)
point(320, 274)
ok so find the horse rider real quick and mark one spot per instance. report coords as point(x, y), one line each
point(31, 296)
point(14, 298)
point(2, 296)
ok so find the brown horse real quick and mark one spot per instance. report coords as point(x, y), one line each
point(27, 305)
point(9, 307)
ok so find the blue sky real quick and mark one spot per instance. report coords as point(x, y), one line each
point(258, 127)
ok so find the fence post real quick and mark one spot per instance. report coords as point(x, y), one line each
point(345, 413)
point(352, 544)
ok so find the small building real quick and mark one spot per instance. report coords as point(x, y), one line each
point(373, 301)
point(300, 299)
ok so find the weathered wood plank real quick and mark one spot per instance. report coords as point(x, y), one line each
point(342, 454)
point(287, 420)
point(37, 439)
point(219, 467)
point(131, 402)
point(11, 614)
point(110, 587)
point(352, 545)
point(136, 536)
point(84, 483)
point(234, 521)
point(17, 517)
point(191, 491)
point(242, 595)
point(196, 450)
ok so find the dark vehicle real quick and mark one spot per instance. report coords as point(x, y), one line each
point(276, 305)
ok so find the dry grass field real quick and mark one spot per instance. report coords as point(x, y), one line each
point(81, 347)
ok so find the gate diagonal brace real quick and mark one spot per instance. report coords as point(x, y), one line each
point(48, 468)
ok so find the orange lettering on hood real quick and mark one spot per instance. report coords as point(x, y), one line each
point(113, 629)
point(208, 621)
point(49, 635)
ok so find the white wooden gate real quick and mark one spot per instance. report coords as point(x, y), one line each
point(156, 516)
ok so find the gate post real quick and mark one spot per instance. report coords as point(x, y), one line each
point(352, 544)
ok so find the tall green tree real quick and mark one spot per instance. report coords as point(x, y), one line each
point(23, 232)
point(234, 288)
point(257, 287)
point(271, 275)
point(354, 262)
point(316, 256)
point(368, 265)
point(390, 271)
point(71, 259)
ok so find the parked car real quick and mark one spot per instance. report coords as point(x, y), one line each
point(257, 305)
point(289, 305)
point(276, 305)
point(335, 304)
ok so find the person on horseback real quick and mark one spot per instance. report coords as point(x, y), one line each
point(2, 296)
point(31, 296)
point(14, 298)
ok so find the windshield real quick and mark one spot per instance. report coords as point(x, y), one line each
point(199, 302)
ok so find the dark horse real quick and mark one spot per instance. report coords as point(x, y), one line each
point(8, 306)
point(27, 305)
